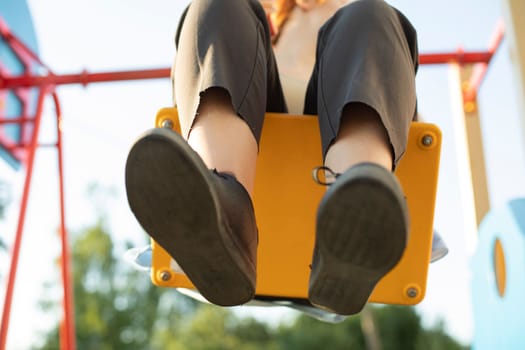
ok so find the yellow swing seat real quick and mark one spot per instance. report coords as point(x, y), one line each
point(286, 199)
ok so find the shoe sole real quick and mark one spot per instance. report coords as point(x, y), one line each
point(361, 235)
point(173, 198)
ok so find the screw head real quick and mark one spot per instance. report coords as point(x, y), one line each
point(167, 123)
point(427, 140)
point(165, 276)
point(412, 292)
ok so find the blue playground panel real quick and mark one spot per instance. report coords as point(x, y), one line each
point(499, 321)
point(16, 14)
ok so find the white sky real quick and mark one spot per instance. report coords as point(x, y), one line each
point(102, 120)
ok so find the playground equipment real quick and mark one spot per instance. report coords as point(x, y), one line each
point(498, 296)
point(285, 204)
point(23, 92)
point(498, 264)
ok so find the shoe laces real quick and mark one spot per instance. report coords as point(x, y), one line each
point(324, 176)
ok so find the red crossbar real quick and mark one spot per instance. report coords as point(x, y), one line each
point(85, 78)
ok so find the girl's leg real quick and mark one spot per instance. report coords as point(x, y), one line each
point(225, 69)
point(222, 139)
point(224, 79)
point(361, 138)
point(366, 55)
point(363, 89)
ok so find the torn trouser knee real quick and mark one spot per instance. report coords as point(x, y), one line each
point(226, 43)
point(367, 52)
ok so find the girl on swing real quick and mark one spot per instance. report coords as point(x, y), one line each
point(354, 64)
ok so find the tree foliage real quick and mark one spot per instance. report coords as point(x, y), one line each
point(118, 308)
point(115, 306)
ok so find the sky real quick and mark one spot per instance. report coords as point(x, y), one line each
point(102, 120)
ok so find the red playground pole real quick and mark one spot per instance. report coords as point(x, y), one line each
point(21, 220)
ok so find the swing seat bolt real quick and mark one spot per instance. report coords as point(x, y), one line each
point(427, 140)
point(165, 276)
point(412, 292)
point(167, 123)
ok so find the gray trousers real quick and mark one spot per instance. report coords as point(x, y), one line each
point(366, 53)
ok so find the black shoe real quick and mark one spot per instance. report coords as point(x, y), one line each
point(203, 219)
point(361, 234)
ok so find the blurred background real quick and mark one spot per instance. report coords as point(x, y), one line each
point(116, 307)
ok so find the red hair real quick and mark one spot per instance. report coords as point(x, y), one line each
point(283, 8)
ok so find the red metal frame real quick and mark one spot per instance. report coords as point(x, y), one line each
point(480, 69)
point(27, 153)
point(46, 85)
point(31, 150)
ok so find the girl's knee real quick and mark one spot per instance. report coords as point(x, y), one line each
point(374, 19)
point(229, 9)
point(368, 9)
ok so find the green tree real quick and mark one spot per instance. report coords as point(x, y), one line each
point(214, 328)
point(118, 308)
point(308, 333)
point(398, 327)
point(115, 306)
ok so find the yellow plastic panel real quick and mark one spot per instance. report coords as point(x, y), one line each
point(286, 200)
